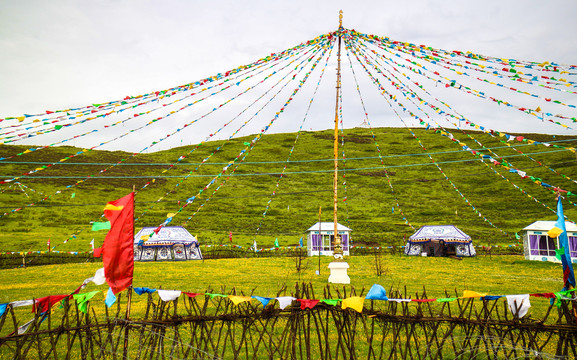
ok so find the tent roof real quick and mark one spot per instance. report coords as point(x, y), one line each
point(548, 225)
point(168, 235)
point(328, 226)
point(447, 233)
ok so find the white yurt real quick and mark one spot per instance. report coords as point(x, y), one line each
point(440, 240)
point(320, 238)
point(171, 243)
point(539, 246)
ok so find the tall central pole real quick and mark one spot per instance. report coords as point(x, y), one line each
point(338, 251)
point(338, 267)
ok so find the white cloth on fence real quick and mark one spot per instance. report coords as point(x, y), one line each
point(400, 300)
point(21, 303)
point(285, 301)
point(168, 295)
point(22, 329)
point(520, 302)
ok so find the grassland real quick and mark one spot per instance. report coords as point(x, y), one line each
point(60, 201)
point(498, 275)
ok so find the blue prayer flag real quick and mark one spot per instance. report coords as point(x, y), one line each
point(110, 298)
point(377, 292)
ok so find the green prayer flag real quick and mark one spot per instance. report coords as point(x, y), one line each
point(212, 296)
point(332, 302)
point(82, 300)
point(276, 243)
point(559, 253)
point(73, 195)
point(446, 299)
point(101, 226)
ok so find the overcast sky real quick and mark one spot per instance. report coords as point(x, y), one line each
point(63, 54)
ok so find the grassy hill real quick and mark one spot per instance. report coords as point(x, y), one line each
point(70, 194)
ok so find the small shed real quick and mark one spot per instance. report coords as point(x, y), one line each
point(538, 245)
point(320, 238)
point(440, 240)
point(171, 243)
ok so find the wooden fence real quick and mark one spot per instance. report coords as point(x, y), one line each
point(205, 327)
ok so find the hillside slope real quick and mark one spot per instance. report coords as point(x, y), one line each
point(391, 185)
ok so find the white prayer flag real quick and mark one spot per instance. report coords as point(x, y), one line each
point(520, 302)
point(168, 295)
point(285, 301)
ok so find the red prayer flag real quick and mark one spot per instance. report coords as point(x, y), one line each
point(47, 302)
point(118, 247)
point(305, 303)
point(97, 252)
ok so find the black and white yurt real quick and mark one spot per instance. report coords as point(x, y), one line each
point(171, 243)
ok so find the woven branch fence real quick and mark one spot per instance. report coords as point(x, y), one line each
point(215, 328)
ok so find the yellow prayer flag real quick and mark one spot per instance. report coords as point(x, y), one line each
point(553, 233)
point(169, 215)
point(238, 299)
point(354, 302)
point(472, 294)
point(538, 109)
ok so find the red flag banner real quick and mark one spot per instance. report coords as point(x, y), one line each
point(118, 247)
point(47, 302)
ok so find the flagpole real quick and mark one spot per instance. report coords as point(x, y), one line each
point(338, 266)
point(337, 250)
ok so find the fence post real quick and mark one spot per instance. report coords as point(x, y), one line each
point(127, 321)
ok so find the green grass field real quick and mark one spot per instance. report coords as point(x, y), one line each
point(498, 275)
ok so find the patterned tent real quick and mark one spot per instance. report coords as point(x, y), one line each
point(440, 240)
point(171, 243)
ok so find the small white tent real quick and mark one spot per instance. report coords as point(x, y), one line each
point(171, 243)
point(320, 238)
point(539, 246)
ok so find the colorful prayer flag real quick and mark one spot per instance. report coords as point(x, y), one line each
point(263, 300)
point(97, 226)
point(239, 299)
point(46, 303)
point(377, 292)
point(354, 302)
point(110, 298)
point(82, 300)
